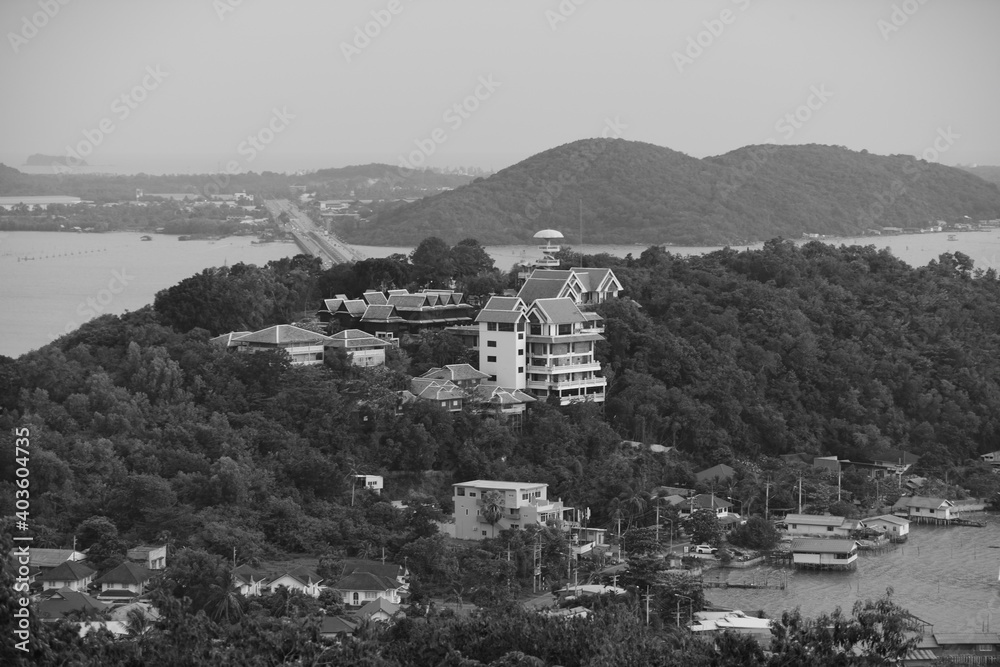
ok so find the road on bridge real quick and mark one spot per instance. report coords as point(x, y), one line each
point(310, 237)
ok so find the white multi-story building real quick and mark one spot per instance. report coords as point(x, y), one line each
point(522, 504)
point(561, 342)
point(502, 341)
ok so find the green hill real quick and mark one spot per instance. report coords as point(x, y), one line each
point(634, 192)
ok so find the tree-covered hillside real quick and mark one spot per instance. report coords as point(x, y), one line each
point(633, 192)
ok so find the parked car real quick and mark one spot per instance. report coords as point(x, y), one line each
point(705, 549)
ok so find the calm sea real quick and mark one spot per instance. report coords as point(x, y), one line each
point(52, 282)
point(947, 577)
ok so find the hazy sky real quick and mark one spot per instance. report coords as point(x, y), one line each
point(703, 77)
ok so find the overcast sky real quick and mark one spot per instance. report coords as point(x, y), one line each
point(702, 77)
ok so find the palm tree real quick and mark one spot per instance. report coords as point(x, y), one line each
point(493, 506)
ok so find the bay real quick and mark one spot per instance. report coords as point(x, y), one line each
point(52, 282)
point(945, 576)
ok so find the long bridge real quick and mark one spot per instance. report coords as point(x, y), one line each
point(309, 237)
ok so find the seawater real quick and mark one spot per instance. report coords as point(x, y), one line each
point(52, 282)
point(945, 576)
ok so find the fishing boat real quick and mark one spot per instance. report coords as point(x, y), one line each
point(952, 237)
point(145, 238)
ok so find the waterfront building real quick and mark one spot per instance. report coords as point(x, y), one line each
point(819, 553)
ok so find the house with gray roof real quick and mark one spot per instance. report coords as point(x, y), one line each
point(123, 583)
point(304, 347)
point(72, 574)
point(363, 349)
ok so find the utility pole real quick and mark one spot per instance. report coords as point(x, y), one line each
point(839, 473)
point(800, 494)
point(657, 521)
point(648, 596)
point(767, 499)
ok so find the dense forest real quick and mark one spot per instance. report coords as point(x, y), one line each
point(374, 181)
point(618, 191)
point(142, 430)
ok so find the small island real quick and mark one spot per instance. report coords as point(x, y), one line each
point(40, 160)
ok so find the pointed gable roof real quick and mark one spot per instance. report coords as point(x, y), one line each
point(332, 305)
point(503, 396)
point(558, 311)
point(126, 573)
point(373, 298)
point(334, 625)
point(387, 570)
point(355, 307)
point(70, 570)
point(61, 602)
point(381, 314)
point(378, 605)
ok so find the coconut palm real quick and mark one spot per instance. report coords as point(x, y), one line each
point(493, 506)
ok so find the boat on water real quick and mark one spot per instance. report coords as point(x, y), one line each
point(952, 237)
point(145, 238)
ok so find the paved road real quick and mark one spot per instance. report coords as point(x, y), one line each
point(311, 238)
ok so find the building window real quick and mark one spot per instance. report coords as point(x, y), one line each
point(520, 369)
point(520, 326)
point(506, 326)
point(460, 491)
point(829, 529)
point(520, 353)
point(536, 330)
point(472, 494)
point(484, 533)
point(794, 526)
point(491, 343)
point(520, 336)
point(491, 359)
point(565, 329)
point(493, 378)
point(524, 496)
point(491, 326)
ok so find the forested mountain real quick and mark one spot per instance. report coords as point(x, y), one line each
point(633, 192)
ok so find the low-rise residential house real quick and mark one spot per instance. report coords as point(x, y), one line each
point(824, 554)
point(371, 482)
point(895, 528)
point(992, 458)
point(149, 556)
point(389, 570)
point(249, 581)
point(955, 648)
point(705, 501)
point(445, 393)
point(923, 509)
point(48, 559)
point(228, 340)
point(304, 347)
point(717, 473)
point(300, 579)
point(123, 583)
point(335, 626)
point(359, 588)
point(717, 622)
point(826, 525)
point(379, 609)
point(363, 349)
point(56, 603)
point(72, 574)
